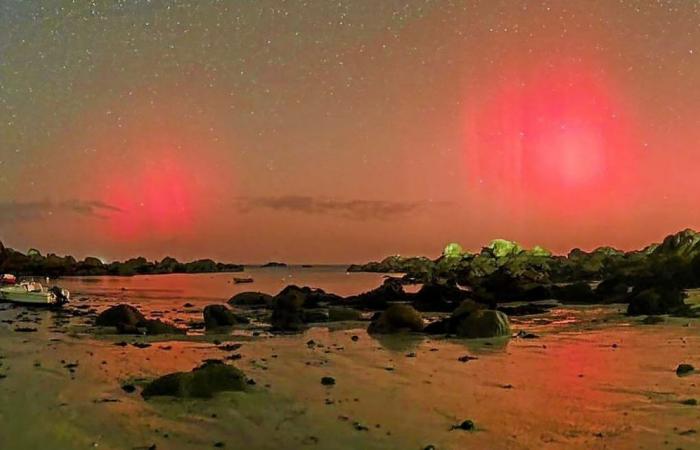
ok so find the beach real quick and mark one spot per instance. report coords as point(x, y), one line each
point(576, 377)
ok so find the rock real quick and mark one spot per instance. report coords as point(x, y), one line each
point(391, 290)
point(470, 320)
point(203, 382)
point(159, 327)
point(612, 290)
point(689, 402)
point(438, 297)
point(253, 299)
point(328, 381)
point(120, 314)
point(288, 310)
point(220, 316)
point(396, 318)
point(656, 300)
point(128, 388)
point(484, 323)
point(684, 369)
point(338, 314)
point(466, 425)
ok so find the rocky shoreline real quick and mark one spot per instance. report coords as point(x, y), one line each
point(33, 263)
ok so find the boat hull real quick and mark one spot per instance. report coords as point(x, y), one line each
point(30, 298)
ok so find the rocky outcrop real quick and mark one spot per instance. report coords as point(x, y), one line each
point(288, 310)
point(396, 318)
point(657, 300)
point(120, 315)
point(391, 290)
point(216, 316)
point(251, 299)
point(202, 382)
point(438, 297)
point(129, 320)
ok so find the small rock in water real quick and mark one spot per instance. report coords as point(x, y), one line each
point(684, 369)
point(525, 335)
point(359, 427)
point(466, 425)
point(328, 381)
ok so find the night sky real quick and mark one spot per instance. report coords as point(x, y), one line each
point(338, 131)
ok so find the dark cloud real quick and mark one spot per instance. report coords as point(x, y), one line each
point(36, 210)
point(350, 209)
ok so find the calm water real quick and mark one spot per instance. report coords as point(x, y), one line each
point(163, 292)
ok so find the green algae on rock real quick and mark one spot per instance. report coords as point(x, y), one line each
point(202, 382)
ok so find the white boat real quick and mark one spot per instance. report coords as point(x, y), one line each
point(33, 293)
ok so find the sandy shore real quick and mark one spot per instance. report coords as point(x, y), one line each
point(593, 379)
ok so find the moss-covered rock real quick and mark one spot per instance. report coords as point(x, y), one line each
point(396, 318)
point(486, 323)
point(471, 320)
point(202, 382)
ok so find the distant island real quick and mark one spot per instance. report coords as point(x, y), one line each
point(274, 264)
point(33, 263)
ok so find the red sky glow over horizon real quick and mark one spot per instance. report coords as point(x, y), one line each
point(346, 131)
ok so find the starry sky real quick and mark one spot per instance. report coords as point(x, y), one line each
point(340, 131)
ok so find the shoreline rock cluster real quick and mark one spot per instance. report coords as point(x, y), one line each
point(652, 280)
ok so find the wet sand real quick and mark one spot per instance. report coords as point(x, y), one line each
point(593, 379)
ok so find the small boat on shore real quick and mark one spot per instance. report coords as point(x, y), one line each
point(243, 280)
point(32, 293)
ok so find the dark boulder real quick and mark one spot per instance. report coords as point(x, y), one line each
point(471, 320)
point(220, 316)
point(202, 382)
point(391, 290)
point(288, 310)
point(438, 297)
point(657, 300)
point(312, 298)
point(396, 318)
point(612, 290)
point(257, 299)
point(120, 315)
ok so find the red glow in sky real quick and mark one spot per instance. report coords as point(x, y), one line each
point(558, 140)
